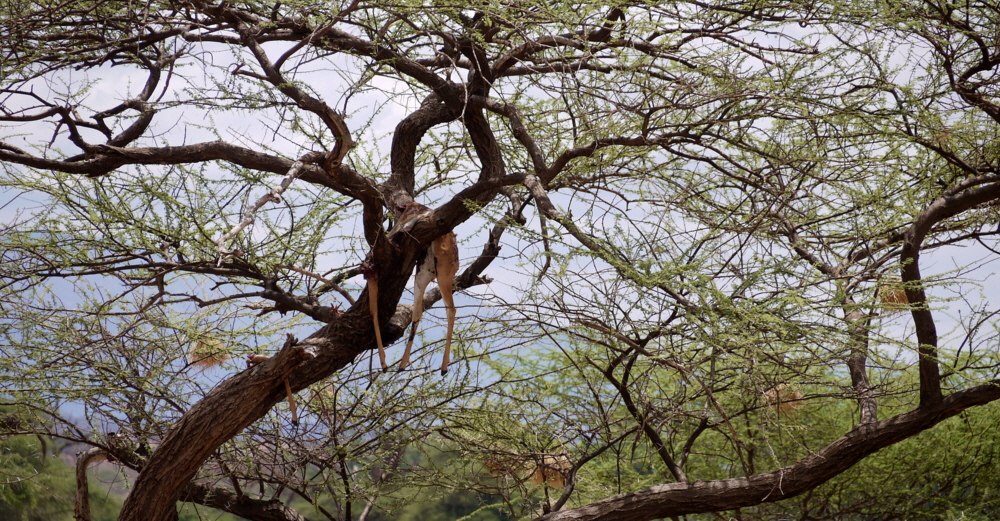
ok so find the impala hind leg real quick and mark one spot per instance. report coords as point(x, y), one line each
point(450, 308)
point(425, 274)
point(446, 264)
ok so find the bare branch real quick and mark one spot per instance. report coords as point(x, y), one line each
point(273, 196)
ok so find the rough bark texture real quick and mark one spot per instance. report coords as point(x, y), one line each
point(954, 201)
point(241, 505)
point(227, 410)
point(246, 397)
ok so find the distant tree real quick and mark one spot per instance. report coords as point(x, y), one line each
point(680, 225)
point(32, 486)
point(37, 485)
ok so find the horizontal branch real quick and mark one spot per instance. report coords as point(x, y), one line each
point(228, 501)
point(106, 159)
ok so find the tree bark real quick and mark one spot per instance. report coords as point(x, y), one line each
point(247, 396)
point(677, 499)
point(81, 507)
point(954, 201)
point(222, 414)
point(228, 501)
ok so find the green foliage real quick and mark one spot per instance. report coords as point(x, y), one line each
point(463, 505)
point(943, 473)
point(37, 485)
point(691, 286)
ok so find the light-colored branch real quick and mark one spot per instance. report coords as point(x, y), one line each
point(274, 196)
point(336, 287)
point(81, 507)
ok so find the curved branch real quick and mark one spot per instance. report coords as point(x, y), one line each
point(81, 506)
point(956, 200)
point(408, 133)
point(334, 121)
point(677, 499)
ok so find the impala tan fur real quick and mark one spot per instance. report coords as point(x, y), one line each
point(371, 275)
point(549, 469)
point(439, 262)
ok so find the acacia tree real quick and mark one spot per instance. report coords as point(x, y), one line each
point(713, 210)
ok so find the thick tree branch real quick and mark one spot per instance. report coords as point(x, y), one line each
point(81, 507)
point(956, 200)
point(228, 501)
point(107, 158)
point(246, 397)
point(678, 499)
point(432, 111)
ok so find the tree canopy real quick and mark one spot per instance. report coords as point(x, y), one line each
point(713, 254)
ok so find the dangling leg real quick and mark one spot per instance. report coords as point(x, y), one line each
point(446, 290)
point(446, 259)
point(425, 274)
point(291, 403)
point(371, 275)
point(373, 308)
